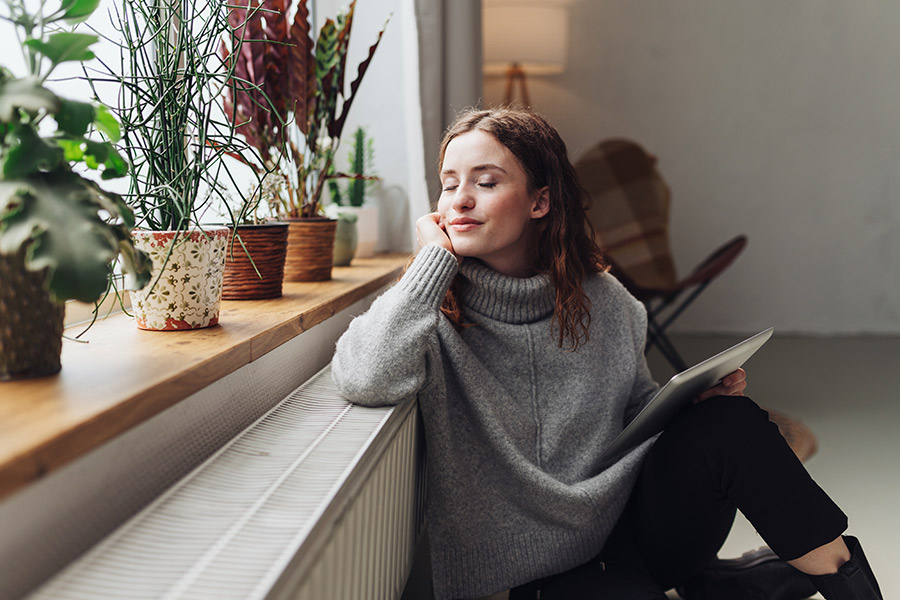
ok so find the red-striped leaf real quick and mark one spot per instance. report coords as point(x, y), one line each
point(338, 125)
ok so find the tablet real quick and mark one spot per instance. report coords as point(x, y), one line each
point(681, 391)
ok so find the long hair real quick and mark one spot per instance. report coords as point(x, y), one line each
point(564, 246)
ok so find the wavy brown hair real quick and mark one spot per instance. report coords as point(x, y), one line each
point(564, 245)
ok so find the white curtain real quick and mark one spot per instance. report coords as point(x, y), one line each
point(427, 67)
point(449, 71)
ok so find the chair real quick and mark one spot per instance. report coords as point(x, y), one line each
point(630, 215)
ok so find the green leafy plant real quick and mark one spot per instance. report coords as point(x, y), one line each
point(288, 100)
point(359, 175)
point(66, 222)
point(169, 85)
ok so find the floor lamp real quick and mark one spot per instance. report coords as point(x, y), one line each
point(524, 37)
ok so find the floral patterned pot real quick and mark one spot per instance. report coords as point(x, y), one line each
point(188, 292)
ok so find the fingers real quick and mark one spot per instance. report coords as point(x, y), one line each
point(735, 383)
point(430, 230)
point(732, 384)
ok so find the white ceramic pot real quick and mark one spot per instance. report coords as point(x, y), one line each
point(188, 294)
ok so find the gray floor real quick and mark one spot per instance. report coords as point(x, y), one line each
point(847, 390)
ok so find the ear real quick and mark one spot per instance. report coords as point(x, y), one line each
point(541, 205)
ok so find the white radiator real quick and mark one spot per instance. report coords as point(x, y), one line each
point(317, 499)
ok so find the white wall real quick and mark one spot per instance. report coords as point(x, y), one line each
point(385, 99)
point(777, 120)
point(383, 106)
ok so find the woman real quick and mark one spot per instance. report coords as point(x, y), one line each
point(527, 360)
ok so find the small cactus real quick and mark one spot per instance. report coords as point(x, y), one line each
point(360, 159)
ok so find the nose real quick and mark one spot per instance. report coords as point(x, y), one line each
point(464, 198)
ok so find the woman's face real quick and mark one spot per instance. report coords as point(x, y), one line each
point(485, 206)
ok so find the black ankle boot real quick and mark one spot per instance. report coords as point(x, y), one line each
point(756, 575)
point(853, 581)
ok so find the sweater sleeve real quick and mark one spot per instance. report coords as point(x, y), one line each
point(644, 386)
point(382, 358)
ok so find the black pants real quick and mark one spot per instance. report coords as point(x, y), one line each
point(716, 457)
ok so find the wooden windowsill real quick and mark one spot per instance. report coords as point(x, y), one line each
point(124, 376)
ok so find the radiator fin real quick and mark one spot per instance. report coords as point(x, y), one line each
point(240, 525)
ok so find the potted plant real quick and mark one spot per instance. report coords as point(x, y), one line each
point(254, 261)
point(169, 86)
point(351, 198)
point(346, 238)
point(60, 232)
point(286, 106)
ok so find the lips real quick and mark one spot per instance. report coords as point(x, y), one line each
point(461, 224)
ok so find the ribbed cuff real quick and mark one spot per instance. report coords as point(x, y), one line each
point(428, 277)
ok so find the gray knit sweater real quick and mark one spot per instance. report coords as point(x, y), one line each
point(513, 423)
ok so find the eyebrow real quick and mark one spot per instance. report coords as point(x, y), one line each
point(484, 167)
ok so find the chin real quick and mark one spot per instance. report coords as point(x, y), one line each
point(464, 250)
point(461, 247)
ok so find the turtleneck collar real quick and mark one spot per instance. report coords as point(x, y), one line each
point(503, 298)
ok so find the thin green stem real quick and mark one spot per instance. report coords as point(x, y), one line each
point(171, 80)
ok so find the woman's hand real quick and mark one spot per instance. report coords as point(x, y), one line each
point(732, 384)
point(430, 230)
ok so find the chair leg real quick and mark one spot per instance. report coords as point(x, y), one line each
point(655, 336)
point(687, 302)
point(656, 331)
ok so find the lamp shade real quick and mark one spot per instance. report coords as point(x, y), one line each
point(533, 34)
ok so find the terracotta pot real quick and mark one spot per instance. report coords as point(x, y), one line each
point(31, 324)
point(310, 249)
point(254, 262)
point(185, 289)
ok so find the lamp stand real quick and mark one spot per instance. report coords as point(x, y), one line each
point(515, 74)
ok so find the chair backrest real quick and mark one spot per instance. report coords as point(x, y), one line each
point(630, 212)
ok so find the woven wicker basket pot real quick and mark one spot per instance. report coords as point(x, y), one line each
point(31, 324)
point(254, 262)
point(185, 290)
point(310, 252)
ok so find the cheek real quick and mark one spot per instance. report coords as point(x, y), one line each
point(442, 205)
point(516, 210)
